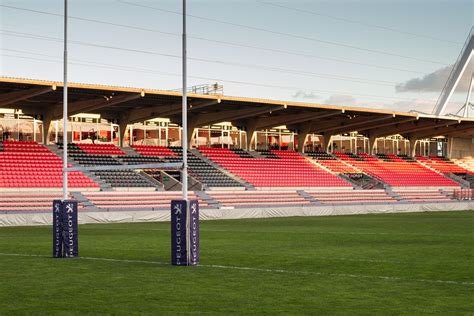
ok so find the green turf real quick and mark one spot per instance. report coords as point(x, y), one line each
point(365, 264)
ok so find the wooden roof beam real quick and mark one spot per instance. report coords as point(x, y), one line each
point(11, 98)
point(418, 127)
point(294, 119)
point(441, 131)
point(354, 126)
point(143, 114)
point(233, 115)
point(87, 106)
point(394, 122)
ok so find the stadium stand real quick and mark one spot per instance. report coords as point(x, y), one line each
point(283, 169)
point(31, 165)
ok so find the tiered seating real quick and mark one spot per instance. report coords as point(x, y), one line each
point(31, 165)
point(331, 162)
point(422, 195)
point(14, 202)
point(116, 178)
point(442, 164)
point(352, 197)
point(258, 198)
point(142, 200)
point(398, 172)
point(289, 169)
point(100, 149)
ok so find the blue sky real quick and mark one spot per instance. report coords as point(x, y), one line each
point(336, 52)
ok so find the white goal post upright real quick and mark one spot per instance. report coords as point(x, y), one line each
point(65, 216)
point(185, 212)
point(65, 109)
point(184, 133)
point(184, 137)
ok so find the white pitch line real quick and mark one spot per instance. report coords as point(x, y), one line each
point(280, 271)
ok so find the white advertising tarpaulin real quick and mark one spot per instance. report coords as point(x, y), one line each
point(23, 219)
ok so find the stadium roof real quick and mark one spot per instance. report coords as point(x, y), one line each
point(130, 105)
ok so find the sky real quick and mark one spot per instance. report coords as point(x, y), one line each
point(392, 54)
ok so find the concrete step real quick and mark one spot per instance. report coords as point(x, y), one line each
point(308, 197)
point(129, 151)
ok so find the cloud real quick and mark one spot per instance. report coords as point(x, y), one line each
point(305, 95)
point(435, 81)
point(341, 100)
point(424, 105)
point(420, 105)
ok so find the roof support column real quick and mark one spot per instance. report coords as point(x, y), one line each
point(123, 123)
point(413, 143)
point(47, 118)
point(450, 147)
point(372, 145)
point(326, 141)
point(301, 141)
point(302, 136)
point(250, 128)
point(192, 120)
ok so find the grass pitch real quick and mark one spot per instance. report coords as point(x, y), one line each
point(364, 264)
